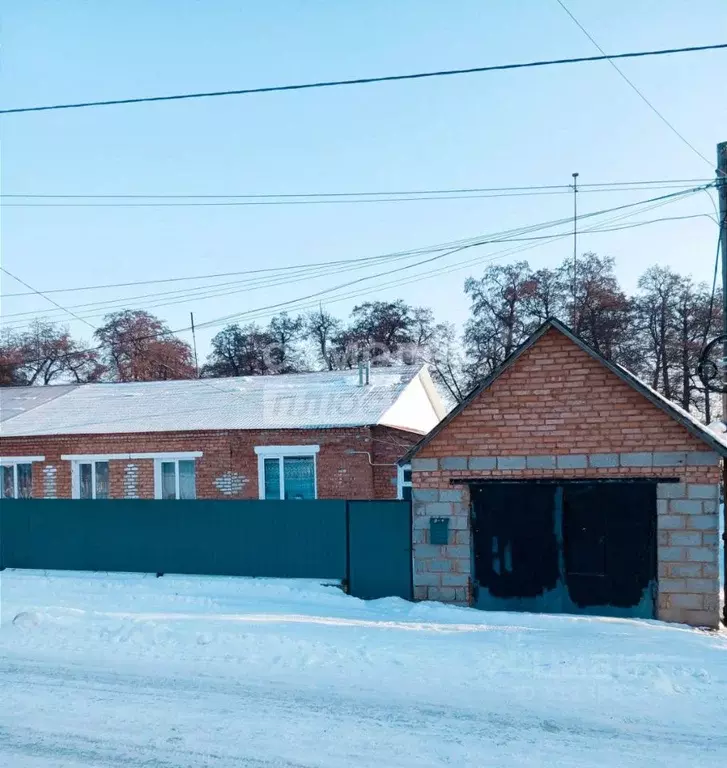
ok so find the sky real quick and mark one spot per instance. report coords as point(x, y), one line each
point(500, 129)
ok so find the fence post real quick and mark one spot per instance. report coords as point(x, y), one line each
point(347, 579)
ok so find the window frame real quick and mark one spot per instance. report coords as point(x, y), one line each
point(281, 452)
point(401, 483)
point(13, 461)
point(76, 477)
point(173, 459)
point(158, 457)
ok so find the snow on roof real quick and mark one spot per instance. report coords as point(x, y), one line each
point(17, 400)
point(291, 401)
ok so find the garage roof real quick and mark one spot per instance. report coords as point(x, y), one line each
point(689, 422)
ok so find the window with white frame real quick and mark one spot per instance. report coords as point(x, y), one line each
point(287, 472)
point(174, 478)
point(16, 478)
point(403, 482)
point(90, 479)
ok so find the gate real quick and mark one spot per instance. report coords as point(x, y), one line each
point(567, 547)
point(380, 556)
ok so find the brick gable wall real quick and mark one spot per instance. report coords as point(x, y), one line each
point(558, 413)
point(558, 399)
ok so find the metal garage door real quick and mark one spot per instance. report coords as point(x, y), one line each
point(568, 547)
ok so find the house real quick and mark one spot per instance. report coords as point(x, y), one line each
point(564, 484)
point(334, 434)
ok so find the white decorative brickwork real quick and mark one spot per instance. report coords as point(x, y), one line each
point(131, 477)
point(230, 483)
point(50, 481)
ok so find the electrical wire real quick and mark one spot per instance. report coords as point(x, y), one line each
point(230, 201)
point(299, 303)
point(633, 87)
point(168, 367)
point(366, 80)
point(564, 188)
point(100, 309)
point(339, 263)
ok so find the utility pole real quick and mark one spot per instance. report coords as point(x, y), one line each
point(722, 197)
point(194, 345)
point(575, 250)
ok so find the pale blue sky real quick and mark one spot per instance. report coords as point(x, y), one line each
point(487, 130)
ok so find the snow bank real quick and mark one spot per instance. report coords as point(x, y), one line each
point(449, 685)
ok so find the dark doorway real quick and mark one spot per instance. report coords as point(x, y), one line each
point(578, 547)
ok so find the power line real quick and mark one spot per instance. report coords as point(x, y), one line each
point(313, 300)
point(660, 199)
point(633, 87)
point(343, 262)
point(616, 186)
point(93, 327)
point(368, 80)
point(100, 309)
point(47, 298)
point(221, 290)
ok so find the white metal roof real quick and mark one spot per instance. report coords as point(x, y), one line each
point(291, 401)
point(17, 400)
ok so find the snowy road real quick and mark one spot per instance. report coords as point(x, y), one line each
point(181, 672)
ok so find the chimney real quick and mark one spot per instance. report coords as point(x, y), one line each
point(360, 374)
point(368, 371)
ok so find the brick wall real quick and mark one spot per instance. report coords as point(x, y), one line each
point(389, 445)
point(558, 413)
point(228, 467)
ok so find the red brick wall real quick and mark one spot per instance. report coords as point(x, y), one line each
point(340, 474)
point(558, 407)
point(556, 399)
point(389, 445)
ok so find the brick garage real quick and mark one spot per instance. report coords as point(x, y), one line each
point(558, 413)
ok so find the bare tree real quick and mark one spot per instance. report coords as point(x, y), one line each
point(321, 328)
point(499, 320)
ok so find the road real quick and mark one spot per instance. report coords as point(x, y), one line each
point(192, 673)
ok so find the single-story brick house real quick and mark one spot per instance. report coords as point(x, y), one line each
point(334, 434)
point(564, 484)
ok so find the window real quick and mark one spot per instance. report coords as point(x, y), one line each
point(287, 472)
point(174, 473)
point(91, 480)
point(403, 482)
point(174, 479)
point(17, 480)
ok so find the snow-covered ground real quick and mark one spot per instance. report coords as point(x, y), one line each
point(182, 672)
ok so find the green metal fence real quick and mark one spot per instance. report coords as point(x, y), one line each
point(365, 544)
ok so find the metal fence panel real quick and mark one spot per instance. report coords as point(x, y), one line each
point(286, 539)
point(380, 556)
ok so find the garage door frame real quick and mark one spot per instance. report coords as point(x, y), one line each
point(557, 598)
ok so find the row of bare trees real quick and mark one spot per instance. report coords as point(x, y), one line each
point(658, 332)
